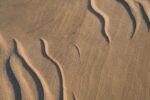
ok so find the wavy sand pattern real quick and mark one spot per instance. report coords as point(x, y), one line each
point(63, 91)
point(117, 70)
point(136, 10)
point(42, 87)
point(21, 86)
point(63, 86)
point(23, 83)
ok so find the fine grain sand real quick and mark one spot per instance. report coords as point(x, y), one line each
point(75, 50)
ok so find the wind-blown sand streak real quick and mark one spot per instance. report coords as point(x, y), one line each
point(63, 88)
point(27, 93)
point(102, 17)
point(43, 91)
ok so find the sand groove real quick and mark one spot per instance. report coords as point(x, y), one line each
point(102, 17)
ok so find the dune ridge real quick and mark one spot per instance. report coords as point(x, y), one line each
point(137, 13)
point(132, 16)
point(24, 85)
point(42, 87)
point(145, 16)
point(63, 88)
point(18, 62)
point(92, 6)
point(13, 80)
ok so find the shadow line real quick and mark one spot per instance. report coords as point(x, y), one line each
point(134, 23)
point(13, 80)
point(145, 17)
point(60, 76)
point(78, 49)
point(32, 73)
point(101, 20)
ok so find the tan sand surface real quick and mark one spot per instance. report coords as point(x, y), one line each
point(74, 49)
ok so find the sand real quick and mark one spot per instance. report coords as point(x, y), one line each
point(75, 50)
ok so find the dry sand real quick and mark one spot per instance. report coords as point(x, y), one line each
point(74, 50)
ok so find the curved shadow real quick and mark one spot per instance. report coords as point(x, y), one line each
point(145, 17)
point(101, 20)
point(134, 23)
point(78, 49)
point(59, 71)
point(32, 73)
point(13, 80)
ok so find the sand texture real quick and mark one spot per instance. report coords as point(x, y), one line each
point(74, 49)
